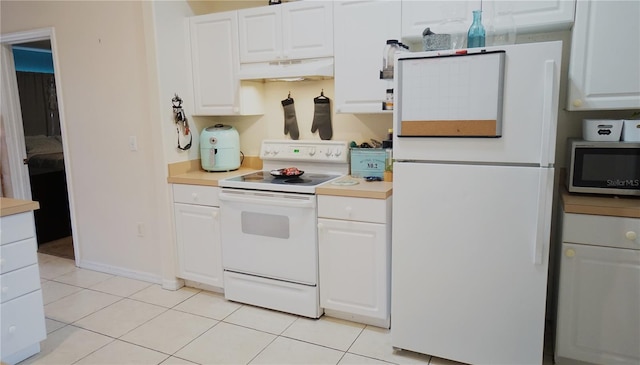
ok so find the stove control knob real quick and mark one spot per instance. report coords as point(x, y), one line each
point(329, 152)
point(267, 151)
point(312, 151)
point(338, 152)
point(275, 151)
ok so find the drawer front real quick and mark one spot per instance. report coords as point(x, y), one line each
point(194, 194)
point(18, 254)
point(17, 227)
point(355, 209)
point(22, 323)
point(19, 282)
point(602, 230)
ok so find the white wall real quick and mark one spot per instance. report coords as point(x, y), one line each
point(105, 87)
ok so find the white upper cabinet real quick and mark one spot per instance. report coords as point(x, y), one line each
point(604, 69)
point(214, 68)
point(418, 15)
point(290, 31)
point(358, 53)
point(527, 16)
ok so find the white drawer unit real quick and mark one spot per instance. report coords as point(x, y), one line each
point(19, 282)
point(17, 227)
point(599, 230)
point(355, 258)
point(22, 325)
point(18, 254)
point(598, 318)
point(20, 328)
point(195, 194)
point(353, 209)
point(199, 253)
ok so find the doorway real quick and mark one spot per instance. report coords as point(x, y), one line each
point(41, 138)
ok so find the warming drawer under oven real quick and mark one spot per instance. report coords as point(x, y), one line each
point(270, 249)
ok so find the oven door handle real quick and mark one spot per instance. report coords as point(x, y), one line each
point(268, 199)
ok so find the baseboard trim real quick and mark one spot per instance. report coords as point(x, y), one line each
point(127, 273)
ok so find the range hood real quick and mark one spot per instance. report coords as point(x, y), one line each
point(289, 70)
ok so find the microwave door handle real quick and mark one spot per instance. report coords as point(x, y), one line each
point(543, 226)
point(549, 108)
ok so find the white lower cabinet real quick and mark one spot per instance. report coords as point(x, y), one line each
point(22, 324)
point(199, 253)
point(599, 291)
point(355, 258)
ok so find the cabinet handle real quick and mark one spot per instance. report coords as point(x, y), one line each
point(2, 260)
point(194, 196)
point(349, 210)
point(631, 235)
point(577, 103)
point(320, 227)
point(570, 252)
point(12, 329)
point(215, 214)
point(5, 289)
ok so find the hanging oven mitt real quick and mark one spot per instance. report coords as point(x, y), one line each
point(290, 120)
point(322, 117)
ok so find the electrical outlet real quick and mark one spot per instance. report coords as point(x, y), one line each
point(133, 143)
point(140, 229)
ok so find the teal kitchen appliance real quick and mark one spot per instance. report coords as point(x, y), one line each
point(220, 148)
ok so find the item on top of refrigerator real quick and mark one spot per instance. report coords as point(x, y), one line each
point(435, 42)
point(631, 130)
point(388, 53)
point(476, 34)
point(601, 129)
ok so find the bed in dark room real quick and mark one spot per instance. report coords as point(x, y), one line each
point(48, 187)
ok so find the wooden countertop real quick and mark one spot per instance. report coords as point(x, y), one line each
point(10, 206)
point(190, 173)
point(600, 205)
point(364, 189)
point(202, 177)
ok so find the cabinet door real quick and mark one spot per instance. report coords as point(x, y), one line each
point(260, 32)
point(598, 305)
point(605, 54)
point(418, 15)
point(358, 53)
point(354, 267)
point(214, 61)
point(198, 243)
point(307, 30)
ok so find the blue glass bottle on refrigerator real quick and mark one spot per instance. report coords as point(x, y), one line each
point(476, 34)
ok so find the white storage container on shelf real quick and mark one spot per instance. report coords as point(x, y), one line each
point(631, 130)
point(601, 129)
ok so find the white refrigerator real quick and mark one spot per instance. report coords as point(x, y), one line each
point(474, 146)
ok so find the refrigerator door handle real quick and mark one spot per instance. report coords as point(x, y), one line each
point(543, 227)
point(548, 113)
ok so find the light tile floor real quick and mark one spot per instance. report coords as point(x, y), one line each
point(96, 318)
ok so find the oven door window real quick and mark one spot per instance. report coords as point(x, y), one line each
point(264, 224)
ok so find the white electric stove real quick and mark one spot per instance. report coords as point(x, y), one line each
point(269, 226)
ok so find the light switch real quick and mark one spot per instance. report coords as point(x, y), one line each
point(133, 143)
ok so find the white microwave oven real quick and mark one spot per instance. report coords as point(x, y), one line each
point(603, 167)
